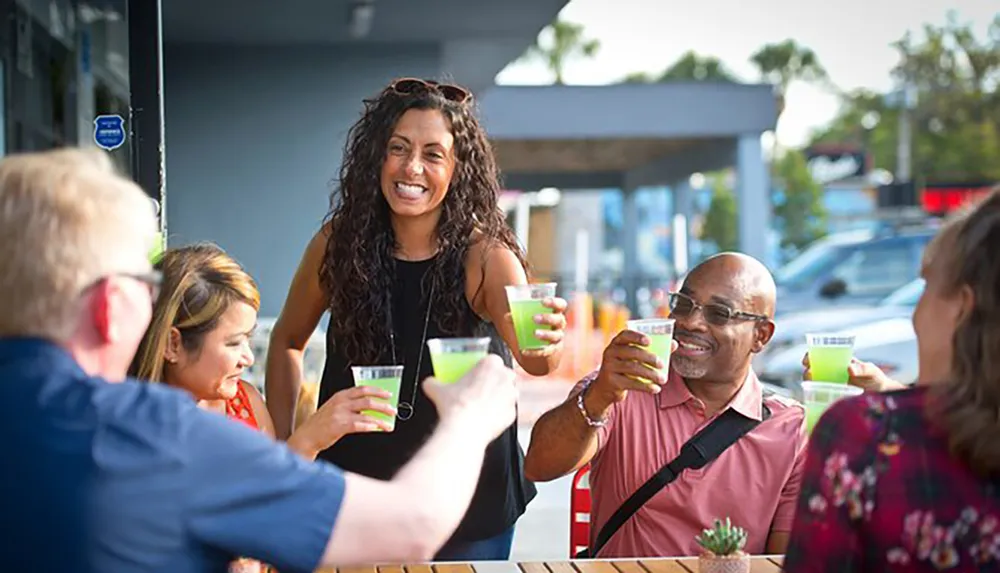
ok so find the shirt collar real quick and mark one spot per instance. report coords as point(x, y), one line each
point(747, 401)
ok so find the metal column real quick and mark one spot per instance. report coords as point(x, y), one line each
point(146, 129)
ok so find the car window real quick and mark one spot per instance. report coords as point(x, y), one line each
point(907, 295)
point(877, 269)
point(804, 269)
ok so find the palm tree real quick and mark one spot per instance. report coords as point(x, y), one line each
point(782, 63)
point(564, 41)
point(689, 67)
point(692, 66)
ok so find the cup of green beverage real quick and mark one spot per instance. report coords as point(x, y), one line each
point(829, 356)
point(453, 357)
point(660, 332)
point(156, 251)
point(386, 378)
point(525, 303)
point(818, 396)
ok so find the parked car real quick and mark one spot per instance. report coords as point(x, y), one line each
point(791, 329)
point(855, 268)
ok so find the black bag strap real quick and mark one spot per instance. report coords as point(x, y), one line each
point(696, 453)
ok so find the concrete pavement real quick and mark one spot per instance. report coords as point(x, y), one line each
point(543, 531)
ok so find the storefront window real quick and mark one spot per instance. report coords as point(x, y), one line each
point(65, 64)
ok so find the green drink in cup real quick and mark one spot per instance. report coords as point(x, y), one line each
point(829, 356)
point(453, 357)
point(660, 332)
point(386, 378)
point(525, 302)
point(818, 396)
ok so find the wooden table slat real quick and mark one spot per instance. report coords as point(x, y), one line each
point(390, 569)
point(366, 569)
point(629, 567)
point(594, 567)
point(533, 567)
point(496, 567)
point(764, 566)
point(423, 568)
point(453, 568)
point(560, 567)
point(663, 566)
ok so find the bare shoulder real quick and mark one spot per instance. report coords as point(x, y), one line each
point(490, 255)
point(489, 266)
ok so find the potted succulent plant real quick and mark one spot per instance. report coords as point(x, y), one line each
point(723, 545)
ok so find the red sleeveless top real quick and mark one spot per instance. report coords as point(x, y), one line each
point(239, 408)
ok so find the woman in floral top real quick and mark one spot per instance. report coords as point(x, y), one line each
point(909, 480)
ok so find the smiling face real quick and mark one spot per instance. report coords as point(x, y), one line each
point(710, 347)
point(419, 163)
point(212, 370)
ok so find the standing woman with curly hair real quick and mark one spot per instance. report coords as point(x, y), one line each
point(415, 247)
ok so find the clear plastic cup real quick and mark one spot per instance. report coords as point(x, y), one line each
point(453, 357)
point(818, 396)
point(525, 302)
point(660, 332)
point(829, 356)
point(386, 378)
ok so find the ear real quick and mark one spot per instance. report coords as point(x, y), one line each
point(175, 346)
point(100, 310)
point(763, 333)
point(966, 302)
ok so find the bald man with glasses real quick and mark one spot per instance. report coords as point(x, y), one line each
point(714, 445)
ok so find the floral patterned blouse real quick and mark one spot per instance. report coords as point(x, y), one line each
point(882, 493)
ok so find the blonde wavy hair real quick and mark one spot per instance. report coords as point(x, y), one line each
point(200, 282)
point(67, 219)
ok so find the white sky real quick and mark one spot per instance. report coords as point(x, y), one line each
point(851, 37)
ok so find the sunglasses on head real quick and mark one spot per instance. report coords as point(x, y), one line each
point(683, 306)
point(450, 92)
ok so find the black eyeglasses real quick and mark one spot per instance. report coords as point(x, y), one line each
point(450, 92)
point(153, 280)
point(683, 306)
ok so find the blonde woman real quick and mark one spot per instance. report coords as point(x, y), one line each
point(199, 340)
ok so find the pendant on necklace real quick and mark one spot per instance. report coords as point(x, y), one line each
point(404, 411)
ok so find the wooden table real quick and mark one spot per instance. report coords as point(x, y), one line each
point(758, 564)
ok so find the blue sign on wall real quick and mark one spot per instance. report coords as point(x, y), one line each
point(109, 131)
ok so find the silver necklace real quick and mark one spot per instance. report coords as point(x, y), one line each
point(404, 411)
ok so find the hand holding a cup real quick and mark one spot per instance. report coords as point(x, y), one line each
point(484, 399)
point(864, 375)
point(346, 412)
point(538, 317)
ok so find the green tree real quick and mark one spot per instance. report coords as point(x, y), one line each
point(720, 224)
point(558, 44)
point(689, 67)
point(784, 62)
point(801, 212)
point(956, 119)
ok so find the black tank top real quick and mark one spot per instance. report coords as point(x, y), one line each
point(502, 493)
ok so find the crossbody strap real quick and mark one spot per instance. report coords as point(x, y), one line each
point(696, 453)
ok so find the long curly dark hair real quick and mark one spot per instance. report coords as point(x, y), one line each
point(359, 265)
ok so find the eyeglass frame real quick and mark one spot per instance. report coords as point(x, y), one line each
point(153, 279)
point(463, 95)
point(731, 313)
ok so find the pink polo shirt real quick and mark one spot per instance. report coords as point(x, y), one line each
point(755, 482)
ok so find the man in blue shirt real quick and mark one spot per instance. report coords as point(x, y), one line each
point(97, 475)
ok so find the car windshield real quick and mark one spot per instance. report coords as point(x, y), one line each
point(906, 295)
point(803, 269)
